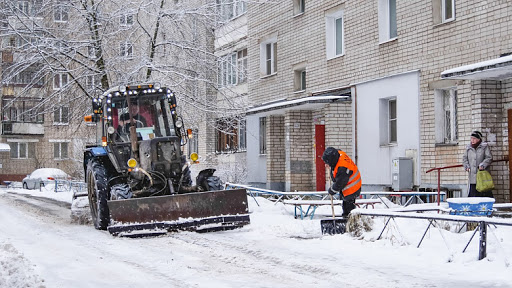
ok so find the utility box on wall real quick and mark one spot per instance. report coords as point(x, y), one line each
point(402, 174)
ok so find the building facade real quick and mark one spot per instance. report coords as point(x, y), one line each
point(382, 80)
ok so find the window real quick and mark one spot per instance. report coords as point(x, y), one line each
point(126, 20)
point(263, 135)
point(193, 143)
point(268, 57)
point(22, 150)
point(448, 10)
point(232, 68)
point(24, 7)
point(227, 73)
point(334, 34)
point(387, 20)
point(230, 135)
point(91, 52)
point(90, 82)
point(30, 8)
point(60, 150)
point(60, 80)
point(388, 121)
point(392, 121)
point(126, 50)
point(446, 115)
point(298, 7)
point(60, 13)
point(22, 111)
point(300, 80)
point(61, 115)
point(229, 9)
point(242, 66)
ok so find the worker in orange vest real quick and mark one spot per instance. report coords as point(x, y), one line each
point(345, 176)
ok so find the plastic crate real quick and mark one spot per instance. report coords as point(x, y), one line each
point(471, 206)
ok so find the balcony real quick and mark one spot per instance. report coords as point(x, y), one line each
point(22, 128)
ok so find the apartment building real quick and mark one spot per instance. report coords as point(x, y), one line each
point(54, 60)
point(384, 80)
point(41, 124)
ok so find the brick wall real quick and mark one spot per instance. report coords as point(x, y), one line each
point(276, 156)
point(298, 149)
point(481, 31)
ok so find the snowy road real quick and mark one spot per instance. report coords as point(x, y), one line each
point(41, 248)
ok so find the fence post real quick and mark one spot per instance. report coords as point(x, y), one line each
point(482, 252)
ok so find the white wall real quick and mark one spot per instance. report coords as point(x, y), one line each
point(374, 160)
point(256, 163)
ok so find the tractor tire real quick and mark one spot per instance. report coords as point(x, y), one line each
point(214, 183)
point(97, 190)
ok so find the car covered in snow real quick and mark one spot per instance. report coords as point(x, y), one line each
point(43, 176)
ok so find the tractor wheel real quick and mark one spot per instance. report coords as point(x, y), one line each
point(97, 189)
point(214, 183)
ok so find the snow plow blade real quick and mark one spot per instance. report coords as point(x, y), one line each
point(200, 212)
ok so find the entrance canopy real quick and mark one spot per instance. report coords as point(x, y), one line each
point(306, 103)
point(494, 69)
point(4, 147)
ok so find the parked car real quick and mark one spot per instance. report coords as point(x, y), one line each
point(43, 176)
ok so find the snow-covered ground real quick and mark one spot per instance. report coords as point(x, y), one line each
point(40, 247)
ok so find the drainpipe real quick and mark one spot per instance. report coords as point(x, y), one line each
point(355, 124)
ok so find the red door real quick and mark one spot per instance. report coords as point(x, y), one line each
point(319, 163)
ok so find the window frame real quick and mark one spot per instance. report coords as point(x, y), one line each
point(299, 80)
point(126, 20)
point(230, 9)
point(268, 59)
point(263, 135)
point(126, 49)
point(61, 10)
point(332, 32)
point(299, 7)
point(443, 11)
point(58, 147)
point(388, 125)
point(58, 78)
point(228, 137)
point(17, 150)
point(392, 121)
point(59, 117)
point(442, 96)
point(232, 69)
point(388, 22)
point(241, 62)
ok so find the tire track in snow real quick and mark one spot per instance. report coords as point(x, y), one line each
point(56, 214)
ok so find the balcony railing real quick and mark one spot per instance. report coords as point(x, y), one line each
point(22, 128)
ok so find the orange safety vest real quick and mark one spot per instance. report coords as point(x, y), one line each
point(354, 182)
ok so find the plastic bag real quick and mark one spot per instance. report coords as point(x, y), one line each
point(484, 181)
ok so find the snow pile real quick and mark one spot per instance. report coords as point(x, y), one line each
point(16, 270)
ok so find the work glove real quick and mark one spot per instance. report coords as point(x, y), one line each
point(331, 192)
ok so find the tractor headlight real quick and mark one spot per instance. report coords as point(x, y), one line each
point(179, 123)
point(132, 163)
point(122, 89)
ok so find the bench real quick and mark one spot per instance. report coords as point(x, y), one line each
point(313, 204)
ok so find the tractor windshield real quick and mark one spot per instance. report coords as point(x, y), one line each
point(150, 115)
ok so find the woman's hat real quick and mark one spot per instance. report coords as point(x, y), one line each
point(476, 134)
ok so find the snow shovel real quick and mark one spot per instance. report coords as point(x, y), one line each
point(334, 225)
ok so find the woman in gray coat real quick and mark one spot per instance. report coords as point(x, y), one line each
point(476, 156)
